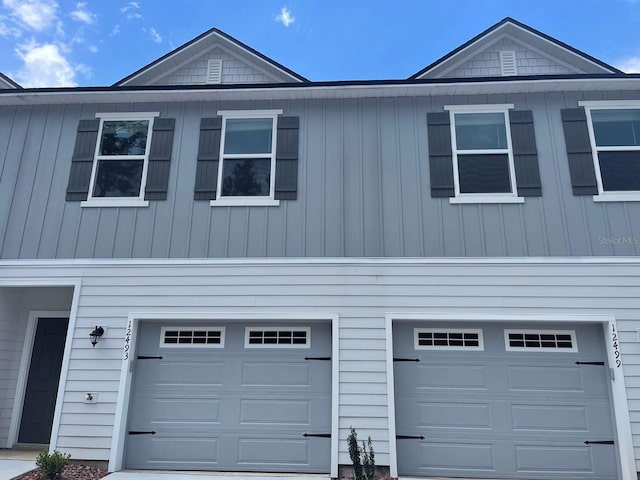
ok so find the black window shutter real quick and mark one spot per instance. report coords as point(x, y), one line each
point(440, 155)
point(208, 159)
point(82, 160)
point(159, 159)
point(287, 158)
point(576, 137)
point(525, 154)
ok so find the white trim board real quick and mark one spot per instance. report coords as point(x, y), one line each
point(116, 457)
point(618, 388)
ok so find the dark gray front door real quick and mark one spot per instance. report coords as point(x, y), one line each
point(42, 382)
point(503, 412)
point(198, 404)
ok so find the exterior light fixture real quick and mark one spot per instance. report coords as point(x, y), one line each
point(96, 334)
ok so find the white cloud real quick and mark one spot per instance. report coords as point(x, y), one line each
point(8, 31)
point(92, 49)
point(46, 66)
point(35, 14)
point(115, 31)
point(285, 17)
point(155, 36)
point(133, 16)
point(130, 6)
point(629, 65)
point(81, 14)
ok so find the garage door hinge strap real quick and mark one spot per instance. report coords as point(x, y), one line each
point(317, 358)
point(409, 437)
point(149, 357)
point(589, 363)
point(406, 359)
point(322, 435)
point(137, 432)
point(601, 442)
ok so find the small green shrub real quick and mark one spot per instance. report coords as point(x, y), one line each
point(52, 465)
point(363, 459)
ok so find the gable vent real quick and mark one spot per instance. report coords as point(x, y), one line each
point(214, 71)
point(508, 63)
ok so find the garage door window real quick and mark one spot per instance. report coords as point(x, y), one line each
point(448, 339)
point(275, 337)
point(192, 337)
point(541, 340)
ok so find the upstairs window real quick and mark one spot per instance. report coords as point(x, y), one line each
point(121, 159)
point(615, 137)
point(248, 157)
point(483, 164)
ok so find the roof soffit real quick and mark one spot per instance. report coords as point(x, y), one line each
point(524, 35)
point(6, 82)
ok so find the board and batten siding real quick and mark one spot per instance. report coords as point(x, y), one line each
point(359, 292)
point(363, 190)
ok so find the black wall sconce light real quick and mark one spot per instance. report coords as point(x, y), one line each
point(96, 334)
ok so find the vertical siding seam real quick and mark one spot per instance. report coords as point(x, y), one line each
point(341, 224)
point(323, 179)
point(360, 154)
point(13, 184)
point(503, 227)
point(585, 222)
point(6, 150)
point(247, 229)
point(559, 189)
point(627, 216)
point(304, 167)
point(55, 164)
point(607, 223)
point(483, 238)
point(227, 232)
point(132, 232)
point(398, 160)
point(95, 233)
point(152, 229)
point(380, 186)
point(418, 164)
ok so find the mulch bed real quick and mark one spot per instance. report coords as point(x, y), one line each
point(71, 472)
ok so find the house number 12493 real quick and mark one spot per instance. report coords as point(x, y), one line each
point(616, 351)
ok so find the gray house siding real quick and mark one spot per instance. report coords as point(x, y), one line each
point(363, 191)
point(359, 293)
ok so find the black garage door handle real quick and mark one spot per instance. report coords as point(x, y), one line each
point(409, 437)
point(599, 442)
point(321, 435)
point(137, 432)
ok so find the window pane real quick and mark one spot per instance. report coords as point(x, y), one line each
point(247, 177)
point(248, 135)
point(124, 137)
point(620, 171)
point(118, 178)
point(484, 173)
point(616, 127)
point(480, 131)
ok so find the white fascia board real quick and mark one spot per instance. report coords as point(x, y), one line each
point(338, 261)
point(20, 97)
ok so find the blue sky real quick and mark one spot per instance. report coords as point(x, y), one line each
point(97, 42)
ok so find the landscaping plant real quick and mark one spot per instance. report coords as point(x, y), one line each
point(363, 459)
point(52, 465)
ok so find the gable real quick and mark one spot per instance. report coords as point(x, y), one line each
point(189, 64)
point(532, 52)
point(6, 82)
point(234, 68)
point(528, 61)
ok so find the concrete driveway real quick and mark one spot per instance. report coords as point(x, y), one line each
point(150, 475)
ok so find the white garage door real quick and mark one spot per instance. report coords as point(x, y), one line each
point(503, 401)
point(231, 397)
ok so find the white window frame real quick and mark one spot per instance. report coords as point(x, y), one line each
point(572, 333)
point(459, 197)
point(222, 331)
point(605, 195)
point(478, 331)
point(138, 201)
point(248, 200)
point(247, 331)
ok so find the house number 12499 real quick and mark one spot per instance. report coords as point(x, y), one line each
point(616, 351)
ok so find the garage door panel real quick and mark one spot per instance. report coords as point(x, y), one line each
point(438, 376)
point(495, 413)
point(247, 409)
point(273, 374)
